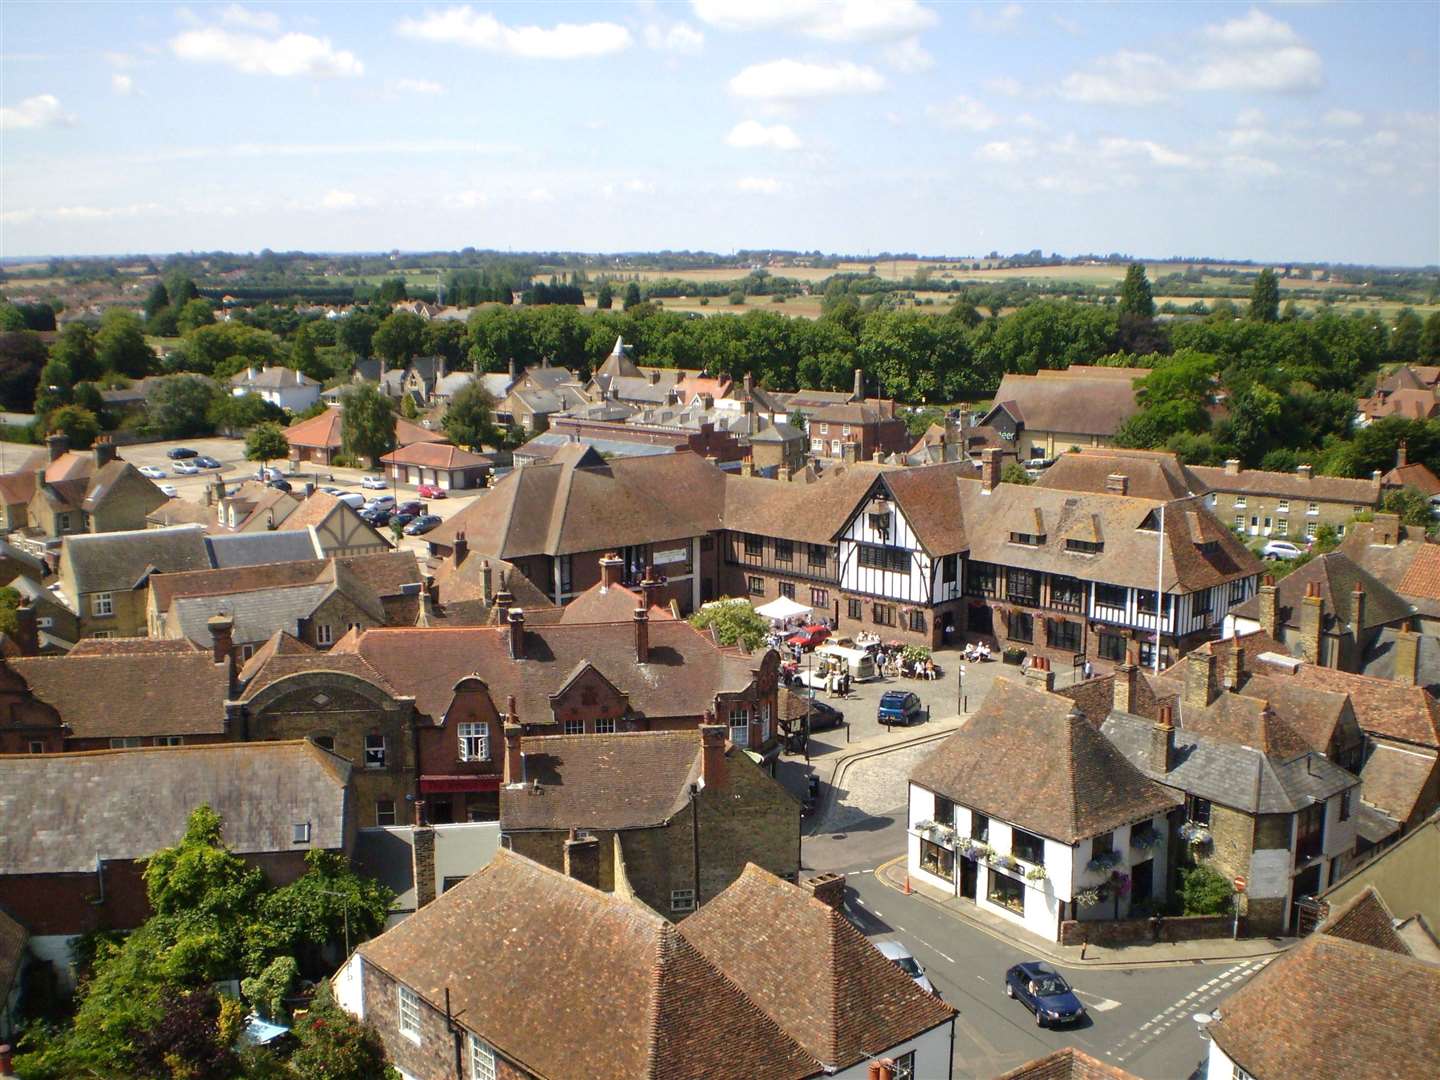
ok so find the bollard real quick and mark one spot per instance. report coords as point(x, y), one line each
point(908, 890)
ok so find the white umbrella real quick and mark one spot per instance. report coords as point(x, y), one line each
point(782, 609)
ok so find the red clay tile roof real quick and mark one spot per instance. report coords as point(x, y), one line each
point(1382, 707)
point(323, 429)
point(1367, 920)
point(616, 604)
point(1030, 758)
point(1342, 489)
point(1080, 401)
point(132, 646)
point(754, 504)
point(17, 488)
point(384, 572)
point(1332, 1009)
point(568, 951)
point(1149, 474)
point(1394, 779)
point(832, 992)
point(431, 455)
point(1422, 577)
point(1067, 1064)
point(466, 582)
point(1414, 474)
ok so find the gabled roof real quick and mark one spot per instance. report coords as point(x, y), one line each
point(272, 378)
point(598, 604)
point(1366, 920)
point(325, 430)
point(1382, 707)
point(465, 582)
point(764, 507)
point(570, 950)
point(1290, 485)
point(833, 992)
point(933, 499)
point(1337, 575)
point(1331, 1009)
point(1414, 474)
point(1067, 1064)
point(1078, 400)
point(65, 810)
point(1029, 757)
point(120, 561)
point(1149, 474)
point(431, 455)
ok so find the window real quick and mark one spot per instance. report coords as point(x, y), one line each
point(893, 559)
point(904, 1066)
point(1022, 626)
point(300, 832)
point(764, 721)
point(169, 740)
point(474, 742)
point(384, 811)
point(1022, 587)
point(325, 742)
point(979, 827)
point(740, 728)
point(754, 545)
point(1345, 805)
point(448, 883)
point(915, 620)
point(787, 590)
point(1283, 506)
point(1197, 810)
point(1112, 647)
point(980, 581)
point(1311, 530)
point(1239, 502)
point(574, 727)
point(1312, 508)
point(1067, 593)
point(1007, 892)
point(1282, 527)
point(1239, 521)
point(605, 725)
point(323, 635)
point(1201, 603)
point(944, 811)
point(1063, 634)
point(374, 751)
point(410, 1014)
point(1103, 844)
point(37, 746)
point(756, 585)
point(1237, 591)
point(682, 899)
point(246, 652)
point(1027, 846)
point(1237, 1073)
point(883, 615)
point(125, 743)
point(102, 603)
point(1027, 539)
point(784, 551)
point(482, 1059)
point(854, 609)
point(1310, 832)
point(820, 598)
point(817, 555)
point(1145, 601)
point(566, 567)
point(949, 568)
point(937, 860)
point(103, 634)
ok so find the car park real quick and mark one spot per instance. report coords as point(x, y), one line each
point(185, 468)
point(180, 453)
point(413, 507)
point(902, 958)
point(1280, 549)
point(808, 637)
point(374, 483)
point(169, 490)
point(378, 517)
point(205, 461)
point(823, 717)
point(401, 519)
point(331, 489)
point(154, 472)
point(266, 473)
point(352, 499)
point(380, 502)
point(900, 707)
point(422, 525)
point(1044, 991)
point(430, 491)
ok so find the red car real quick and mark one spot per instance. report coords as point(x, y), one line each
point(809, 637)
point(430, 491)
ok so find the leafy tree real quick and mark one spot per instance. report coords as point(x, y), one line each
point(87, 396)
point(1014, 473)
point(22, 355)
point(179, 406)
point(265, 443)
point(9, 601)
point(357, 331)
point(399, 337)
point(231, 413)
point(408, 408)
point(470, 417)
point(55, 387)
point(1135, 297)
point(195, 313)
point(604, 297)
point(732, 621)
point(158, 299)
point(181, 289)
point(1429, 350)
point(303, 356)
point(226, 349)
point(445, 337)
point(1411, 505)
point(187, 1042)
point(632, 296)
point(120, 345)
point(75, 347)
point(391, 291)
point(1204, 891)
point(267, 990)
point(336, 1046)
point(12, 318)
point(1265, 297)
point(367, 424)
point(1405, 341)
point(80, 425)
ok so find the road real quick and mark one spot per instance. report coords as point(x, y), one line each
point(1140, 1018)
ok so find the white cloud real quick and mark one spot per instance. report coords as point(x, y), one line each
point(965, 113)
point(1384, 138)
point(796, 80)
point(1155, 153)
point(1286, 70)
point(908, 57)
point(253, 54)
point(235, 15)
point(1254, 30)
point(1123, 78)
point(759, 185)
point(1245, 165)
point(417, 86)
point(828, 20)
point(1250, 118)
point(751, 134)
point(1006, 152)
point(1005, 85)
point(123, 85)
point(996, 20)
point(336, 199)
point(752, 14)
point(1344, 118)
point(40, 111)
point(1026, 120)
point(119, 59)
point(563, 41)
point(465, 200)
point(676, 38)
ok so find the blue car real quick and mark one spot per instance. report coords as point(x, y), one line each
point(900, 707)
point(1044, 992)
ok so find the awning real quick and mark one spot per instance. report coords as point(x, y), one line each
point(781, 609)
point(439, 785)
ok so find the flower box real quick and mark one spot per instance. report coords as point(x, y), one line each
point(1035, 873)
point(1104, 861)
point(1146, 839)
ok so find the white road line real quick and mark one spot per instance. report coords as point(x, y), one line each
point(982, 978)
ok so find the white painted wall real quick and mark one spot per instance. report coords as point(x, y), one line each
point(1218, 1066)
point(349, 987)
point(932, 1056)
point(56, 949)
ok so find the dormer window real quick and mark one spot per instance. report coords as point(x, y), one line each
point(1084, 547)
point(1028, 539)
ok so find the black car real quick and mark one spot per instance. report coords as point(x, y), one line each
point(180, 453)
point(401, 519)
point(413, 508)
point(824, 717)
point(422, 524)
point(1044, 991)
point(378, 517)
point(205, 461)
point(279, 485)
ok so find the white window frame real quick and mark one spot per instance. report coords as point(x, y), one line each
point(1283, 506)
point(1311, 530)
point(904, 1066)
point(1239, 521)
point(383, 749)
point(323, 635)
point(605, 725)
point(102, 603)
point(682, 899)
point(574, 727)
point(1239, 502)
point(390, 813)
point(300, 832)
point(740, 728)
point(478, 732)
point(1282, 527)
point(128, 742)
point(1312, 508)
point(407, 1015)
point(482, 1059)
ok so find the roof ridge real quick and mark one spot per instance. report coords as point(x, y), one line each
point(269, 745)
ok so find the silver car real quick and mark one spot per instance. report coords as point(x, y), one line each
point(902, 958)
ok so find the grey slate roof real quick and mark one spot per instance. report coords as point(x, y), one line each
point(257, 614)
point(62, 811)
point(252, 549)
point(119, 561)
point(1337, 575)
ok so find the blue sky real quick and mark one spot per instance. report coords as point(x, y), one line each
point(1268, 131)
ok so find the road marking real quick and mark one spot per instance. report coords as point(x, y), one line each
point(982, 978)
point(1100, 1004)
point(1163, 1022)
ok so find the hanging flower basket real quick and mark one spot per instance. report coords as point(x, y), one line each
point(1104, 861)
point(1195, 834)
point(1005, 862)
point(1120, 882)
point(1145, 839)
point(1088, 897)
point(1036, 873)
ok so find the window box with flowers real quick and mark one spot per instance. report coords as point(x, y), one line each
point(1194, 833)
point(1035, 873)
point(975, 849)
point(1004, 862)
point(1104, 861)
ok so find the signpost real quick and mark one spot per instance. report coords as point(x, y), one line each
point(1239, 883)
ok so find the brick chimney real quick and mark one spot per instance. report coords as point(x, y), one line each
point(1312, 617)
point(1039, 676)
point(786, 473)
point(215, 492)
point(1269, 608)
point(828, 888)
point(612, 569)
point(858, 394)
point(487, 580)
point(1232, 467)
point(514, 759)
point(516, 620)
point(1304, 472)
point(1117, 484)
point(27, 630)
point(1200, 685)
point(58, 444)
point(747, 466)
point(1357, 617)
point(422, 856)
point(461, 548)
point(642, 636)
point(650, 588)
point(1402, 455)
point(104, 451)
point(222, 637)
point(1407, 656)
point(989, 469)
point(582, 858)
point(850, 452)
point(1162, 741)
point(1234, 659)
point(1387, 529)
point(713, 737)
point(1124, 688)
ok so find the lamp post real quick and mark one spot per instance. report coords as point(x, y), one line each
point(960, 693)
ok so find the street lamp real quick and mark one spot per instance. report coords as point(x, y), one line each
point(960, 693)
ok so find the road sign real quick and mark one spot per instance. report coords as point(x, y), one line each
point(1239, 884)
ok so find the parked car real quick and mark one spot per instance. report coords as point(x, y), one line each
point(413, 507)
point(352, 499)
point(278, 483)
point(902, 958)
point(808, 637)
point(180, 453)
point(401, 519)
point(430, 491)
point(378, 517)
point(205, 461)
point(267, 473)
point(374, 483)
point(1280, 549)
point(185, 468)
point(823, 717)
point(380, 502)
point(900, 707)
point(154, 472)
point(331, 489)
point(169, 490)
point(422, 525)
point(1044, 991)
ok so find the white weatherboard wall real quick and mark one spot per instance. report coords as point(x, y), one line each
point(932, 1056)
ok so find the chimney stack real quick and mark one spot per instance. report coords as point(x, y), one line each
point(461, 548)
point(422, 855)
point(858, 394)
point(989, 469)
point(487, 580)
point(27, 630)
point(1402, 455)
point(650, 588)
point(1407, 656)
point(514, 759)
point(1038, 675)
point(1303, 471)
point(516, 617)
point(1387, 529)
point(1269, 608)
point(222, 637)
point(1117, 484)
point(747, 466)
point(786, 473)
point(104, 451)
point(582, 858)
point(1162, 741)
point(750, 388)
point(713, 737)
point(1312, 619)
point(1357, 618)
point(1200, 688)
point(1232, 466)
point(642, 636)
point(612, 569)
point(828, 888)
point(58, 444)
point(1235, 665)
point(1124, 688)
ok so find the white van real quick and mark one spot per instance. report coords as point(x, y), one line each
point(858, 662)
point(352, 499)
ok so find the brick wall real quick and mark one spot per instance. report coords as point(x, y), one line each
point(1114, 933)
point(1232, 842)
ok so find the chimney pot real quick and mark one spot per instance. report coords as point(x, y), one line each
point(612, 569)
point(1402, 454)
point(222, 631)
point(642, 636)
point(1040, 674)
point(1162, 741)
point(828, 888)
point(1303, 471)
point(1232, 466)
point(514, 758)
point(1117, 484)
point(516, 619)
point(461, 548)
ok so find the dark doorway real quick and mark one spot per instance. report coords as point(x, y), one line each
point(1307, 884)
point(1142, 880)
point(979, 619)
point(967, 878)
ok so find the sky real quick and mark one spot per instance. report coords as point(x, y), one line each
point(1268, 131)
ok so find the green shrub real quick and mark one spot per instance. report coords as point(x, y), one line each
point(1204, 891)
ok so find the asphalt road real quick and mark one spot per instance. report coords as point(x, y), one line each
point(1140, 1018)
